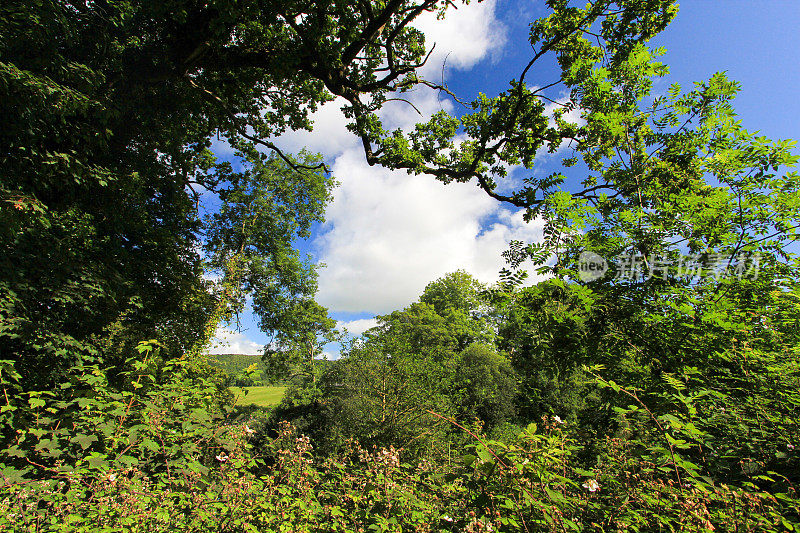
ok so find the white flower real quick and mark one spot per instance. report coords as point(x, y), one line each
point(558, 419)
point(222, 458)
point(248, 430)
point(446, 518)
point(112, 478)
point(591, 485)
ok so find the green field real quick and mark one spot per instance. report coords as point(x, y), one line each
point(261, 396)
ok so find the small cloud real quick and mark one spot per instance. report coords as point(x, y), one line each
point(329, 356)
point(573, 116)
point(466, 36)
point(329, 136)
point(227, 340)
point(221, 148)
point(357, 327)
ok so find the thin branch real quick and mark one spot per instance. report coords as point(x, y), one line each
point(406, 101)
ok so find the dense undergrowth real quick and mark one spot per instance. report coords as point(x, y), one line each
point(169, 454)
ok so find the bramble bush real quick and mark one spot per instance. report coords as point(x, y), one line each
point(167, 455)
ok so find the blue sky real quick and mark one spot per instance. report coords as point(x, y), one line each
point(388, 234)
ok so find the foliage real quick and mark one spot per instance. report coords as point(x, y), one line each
point(426, 357)
point(105, 152)
point(486, 386)
point(250, 238)
point(301, 332)
point(242, 370)
point(379, 394)
point(87, 425)
point(461, 300)
point(545, 329)
point(653, 399)
point(535, 483)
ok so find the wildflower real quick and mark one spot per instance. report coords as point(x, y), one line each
point(222, 458)
point(479, 525)
point(247, 430)
point(446, 518)
point(112, 478)
point(790, 446)
point(591, 485)
point(558, 419)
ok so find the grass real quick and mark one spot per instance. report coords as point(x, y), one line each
point(261, 396)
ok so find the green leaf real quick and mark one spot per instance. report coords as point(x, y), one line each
point(84, 440)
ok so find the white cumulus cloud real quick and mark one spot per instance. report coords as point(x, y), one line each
point(390, 233)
